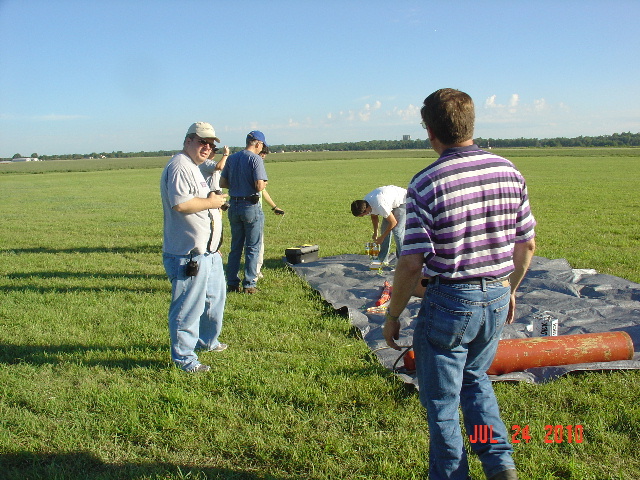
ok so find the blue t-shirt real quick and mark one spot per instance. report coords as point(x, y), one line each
point(241, 171)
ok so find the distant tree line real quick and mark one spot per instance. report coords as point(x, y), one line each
point(354, 146)
point(616, 140)
point(627, 139)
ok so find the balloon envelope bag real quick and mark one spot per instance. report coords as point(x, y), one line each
point(302, 254)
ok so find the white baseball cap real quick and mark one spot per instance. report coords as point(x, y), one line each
point(203, 130)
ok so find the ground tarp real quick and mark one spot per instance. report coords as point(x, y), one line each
point(583, 301)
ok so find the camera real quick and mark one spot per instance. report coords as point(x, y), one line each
point(225, 206)
point(192, 268)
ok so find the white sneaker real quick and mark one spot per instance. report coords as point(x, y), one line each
point(200, 368)
point(218, 348)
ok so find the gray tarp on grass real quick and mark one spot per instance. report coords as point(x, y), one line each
point(582, 300)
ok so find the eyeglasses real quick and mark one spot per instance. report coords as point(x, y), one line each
point(424, 124)
point(205, 143)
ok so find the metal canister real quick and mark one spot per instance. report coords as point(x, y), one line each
point(545, 325)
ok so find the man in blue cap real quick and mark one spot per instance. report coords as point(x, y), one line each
point(245, 176)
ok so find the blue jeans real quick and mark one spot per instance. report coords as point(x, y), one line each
point(398, 234)
point(247, 222)
point(197, 306)
point(455, 341)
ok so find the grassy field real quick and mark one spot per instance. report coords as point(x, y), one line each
point(87, 390)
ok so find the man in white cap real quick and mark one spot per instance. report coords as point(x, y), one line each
point(192, 238)
point(245, 177)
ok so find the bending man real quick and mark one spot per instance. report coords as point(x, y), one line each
point(389, 203)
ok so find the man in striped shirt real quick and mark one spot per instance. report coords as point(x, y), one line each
point(470, 234)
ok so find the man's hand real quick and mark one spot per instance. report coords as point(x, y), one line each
point(217, 200)
point(391, 331)
point(511, 316)
point(278, 211)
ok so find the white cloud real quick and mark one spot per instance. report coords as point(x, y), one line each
point(540, 105)
point(491, 102)
point(52, 117)
point(515, 110)
point(365, 113)
point(511, 106)
point(372, 119)
point(407, 115)
point(371, 112)
point(528, 118)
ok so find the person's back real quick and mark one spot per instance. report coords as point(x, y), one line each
point(470, 201)
point(384, 199)
point(245, 176)
point(241, 173)
point(470, 231)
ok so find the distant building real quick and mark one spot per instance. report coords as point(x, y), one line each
point(406, 137)
point(24, 159)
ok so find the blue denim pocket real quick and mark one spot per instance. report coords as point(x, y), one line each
point(500, 312)
point(447, 321)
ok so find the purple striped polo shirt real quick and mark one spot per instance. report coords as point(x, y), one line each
point(465, 211)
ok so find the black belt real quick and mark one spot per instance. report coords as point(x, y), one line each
point(250, 198)
point(469, 281)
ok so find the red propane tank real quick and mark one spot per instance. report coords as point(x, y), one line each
point(518, 354)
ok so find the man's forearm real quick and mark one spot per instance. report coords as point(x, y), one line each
point(197, 204)
point(405, 280)
point(408, 274)
point(374, 223)
point(522, 255)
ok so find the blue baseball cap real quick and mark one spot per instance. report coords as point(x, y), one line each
point(257, 135)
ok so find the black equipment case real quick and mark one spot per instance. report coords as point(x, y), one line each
point(302, 254)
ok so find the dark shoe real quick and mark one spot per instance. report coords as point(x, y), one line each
point(233, 288)
point(250, 290)
point(200, 368)
point(505, 475)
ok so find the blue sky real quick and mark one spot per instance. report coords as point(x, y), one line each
point(93, 76)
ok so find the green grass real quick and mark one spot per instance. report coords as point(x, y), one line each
point(87, 389)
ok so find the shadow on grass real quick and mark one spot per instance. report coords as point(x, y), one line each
point(116, 278)
point(58, 354)
point(92, 275)
point(85, 465)
point(84, 250)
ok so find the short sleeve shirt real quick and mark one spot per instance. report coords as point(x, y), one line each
point(186, 233)
point(241, 171)
point(384, 199)
point(465, 212)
